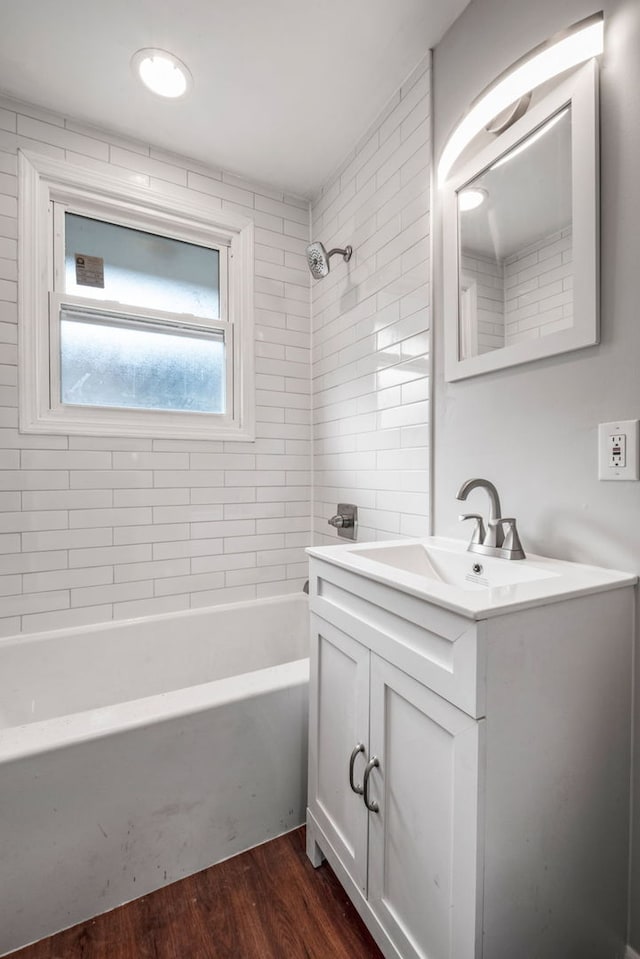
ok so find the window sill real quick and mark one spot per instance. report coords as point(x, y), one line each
point(155, 424)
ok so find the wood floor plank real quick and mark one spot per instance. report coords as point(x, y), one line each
point(267, 903)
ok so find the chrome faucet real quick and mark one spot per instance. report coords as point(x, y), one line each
point(501, 536)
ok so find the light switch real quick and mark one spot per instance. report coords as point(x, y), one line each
point(618, 450)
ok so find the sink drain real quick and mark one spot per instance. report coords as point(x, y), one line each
point(477, 568)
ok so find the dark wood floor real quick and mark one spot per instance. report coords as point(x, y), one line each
point(267, 903)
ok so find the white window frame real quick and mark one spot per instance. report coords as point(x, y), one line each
point(49, 187)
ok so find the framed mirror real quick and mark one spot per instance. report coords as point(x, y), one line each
point(521, 245)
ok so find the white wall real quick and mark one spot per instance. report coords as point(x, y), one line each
point(533, 429)
point(98, 528)
point(371, 321)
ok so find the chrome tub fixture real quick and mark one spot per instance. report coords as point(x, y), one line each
point(346, 520)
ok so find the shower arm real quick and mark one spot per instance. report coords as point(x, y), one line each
point(346, 253)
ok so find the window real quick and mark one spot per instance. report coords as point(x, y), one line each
point(135, 310)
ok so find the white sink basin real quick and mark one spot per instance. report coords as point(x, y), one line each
point(462, 569)
point(445, 573)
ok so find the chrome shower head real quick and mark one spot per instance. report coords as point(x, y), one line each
point(318, 258)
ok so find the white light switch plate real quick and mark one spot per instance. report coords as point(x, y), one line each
point(618, 450)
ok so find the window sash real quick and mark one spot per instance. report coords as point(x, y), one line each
point(131, 221)
point(142, 319)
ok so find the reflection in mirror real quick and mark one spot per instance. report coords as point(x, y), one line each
point(515, 244)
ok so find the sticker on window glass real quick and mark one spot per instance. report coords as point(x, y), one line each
point(89, 270)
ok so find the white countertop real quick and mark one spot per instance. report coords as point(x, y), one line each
point(503, 585)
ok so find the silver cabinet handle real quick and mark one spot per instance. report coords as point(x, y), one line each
point(371, 805)
point(356, 750)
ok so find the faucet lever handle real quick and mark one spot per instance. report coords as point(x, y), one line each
point(495, 533)
point(479, 532)
point(511, 539)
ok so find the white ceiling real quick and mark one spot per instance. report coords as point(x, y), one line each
point(529, 197)
point(283, 89)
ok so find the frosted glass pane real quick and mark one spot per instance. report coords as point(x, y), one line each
point(142, 269)
point(116, 365)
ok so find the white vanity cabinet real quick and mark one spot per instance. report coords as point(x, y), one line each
point(422, 883)
point(421, 841)
point(339, 714)
point(498, 758)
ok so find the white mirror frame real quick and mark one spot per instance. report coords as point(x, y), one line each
point(581, 91)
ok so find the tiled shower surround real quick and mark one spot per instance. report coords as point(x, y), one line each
point(371, 322)
point(98, 528)
point(94, 529)
point(539, 288)
point(488, 276)
point(527, 295)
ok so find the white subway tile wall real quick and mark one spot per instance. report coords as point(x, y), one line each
point(371, 323)
point(526, 295)
point(538, 287)
point(488, 276)
point(93, 529)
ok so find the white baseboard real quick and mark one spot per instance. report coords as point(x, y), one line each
point(631, 953)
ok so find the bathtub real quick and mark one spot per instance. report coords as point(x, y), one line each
point(135, 753)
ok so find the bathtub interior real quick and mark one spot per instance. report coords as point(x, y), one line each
point(60, 673)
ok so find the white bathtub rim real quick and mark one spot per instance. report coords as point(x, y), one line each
point(59, 732)
point(109, 625)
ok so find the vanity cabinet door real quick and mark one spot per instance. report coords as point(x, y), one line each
point(338, 722)
point(423, 840)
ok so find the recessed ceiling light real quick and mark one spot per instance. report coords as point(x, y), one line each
point(162, 73)
point(471, 199)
